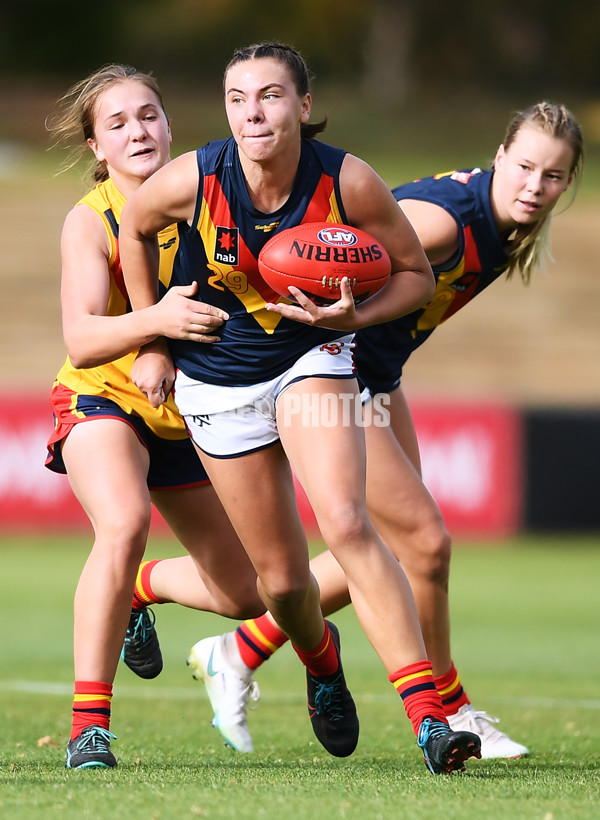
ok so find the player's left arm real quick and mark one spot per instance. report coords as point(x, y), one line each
point(370, 205)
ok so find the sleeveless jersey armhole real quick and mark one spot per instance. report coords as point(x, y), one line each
point(111, 226)
point(200, 195)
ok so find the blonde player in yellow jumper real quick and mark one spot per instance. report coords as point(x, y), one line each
point(120, 453)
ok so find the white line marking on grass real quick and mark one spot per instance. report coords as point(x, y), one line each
point(46, 688)
point(174, 693)
point(552, 703)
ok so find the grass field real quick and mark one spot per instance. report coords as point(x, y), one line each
point(526, 614)
point(525, 621)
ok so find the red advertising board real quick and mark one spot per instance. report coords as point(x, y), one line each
point(31, 496)
point(471, 456)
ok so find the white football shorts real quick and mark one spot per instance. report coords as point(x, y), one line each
point(225, 422)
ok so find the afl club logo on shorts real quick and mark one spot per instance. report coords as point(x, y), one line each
point(338, 238)
point(226, 245)
point(333, 348)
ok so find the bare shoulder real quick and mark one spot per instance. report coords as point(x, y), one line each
point(84, 224)
point(366, 197)
point(357, 177)
point(179, 167)
point(370, 205)
point(81, 215)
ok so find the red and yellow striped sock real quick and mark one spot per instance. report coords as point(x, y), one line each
point(451, 691)
point(91, 705)
point(416, 687)
point(257, 639)
point(323, 660)
point(142, 594)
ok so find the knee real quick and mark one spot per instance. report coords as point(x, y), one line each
point(430, 553)
point(284, 590)
point(124, 537)
point(246, 603)
point(345, 524)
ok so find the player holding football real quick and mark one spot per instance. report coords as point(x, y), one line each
point(234, 395)
point(474, 225)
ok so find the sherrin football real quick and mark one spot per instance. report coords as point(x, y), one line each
point(315, 256)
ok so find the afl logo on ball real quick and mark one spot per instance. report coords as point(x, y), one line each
point(337, 238)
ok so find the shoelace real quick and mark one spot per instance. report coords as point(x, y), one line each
point(143, 626)
point(254, 696)
point(483, 716)
point(481, 722)
point(95, 740)
point(433, 729)
point(250, 692)
point(328, 700)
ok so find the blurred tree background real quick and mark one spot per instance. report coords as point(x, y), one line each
point(429, 72)
point(397, 47)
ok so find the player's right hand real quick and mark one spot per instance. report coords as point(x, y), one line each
point(153, 372)
point(180, 316)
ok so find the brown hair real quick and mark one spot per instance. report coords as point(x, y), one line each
point(72, 124)
point(296, 66)
point(532, 242)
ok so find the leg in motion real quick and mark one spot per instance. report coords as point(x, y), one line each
point(119, 510)
point(271, 531)
point(379, 589)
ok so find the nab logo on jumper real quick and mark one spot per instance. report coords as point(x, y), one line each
point(226, 245)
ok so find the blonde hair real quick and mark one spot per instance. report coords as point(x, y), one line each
point(72, 124)
point(531, 244)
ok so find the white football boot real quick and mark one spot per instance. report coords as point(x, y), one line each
point(229, 684)
point(494, 743)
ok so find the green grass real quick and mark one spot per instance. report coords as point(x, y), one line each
point(525, 630)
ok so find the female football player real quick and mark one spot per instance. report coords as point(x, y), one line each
point(238, 395)
point(119, 452)
point(475, 225)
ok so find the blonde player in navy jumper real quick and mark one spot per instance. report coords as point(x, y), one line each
point(270, 175)
point(476, 226)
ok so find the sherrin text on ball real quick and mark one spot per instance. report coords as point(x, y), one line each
point(316, 256)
